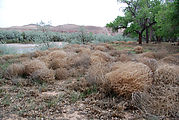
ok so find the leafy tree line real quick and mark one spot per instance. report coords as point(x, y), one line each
point(154, 19)
point(46, 36)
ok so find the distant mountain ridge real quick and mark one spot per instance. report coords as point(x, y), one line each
point(66, 28)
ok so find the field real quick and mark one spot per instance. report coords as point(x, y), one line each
point(118, 80)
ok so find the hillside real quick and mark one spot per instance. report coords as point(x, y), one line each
point(63, 28)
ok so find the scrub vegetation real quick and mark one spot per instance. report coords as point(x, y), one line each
point(91, 81)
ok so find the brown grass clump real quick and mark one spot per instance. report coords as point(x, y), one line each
point(138, 49)
point(108, 46)
point(116, 42)
point(57, 63)
point(83, 50)
point(115, 53)
point(57, 54)
point(44, 59)
point(148, 55)
point(96, 76)
point(115, 65)
point(43, 74)
point(170, 60)
point(33, 65)
point(100, 47)
point(7, 57)
point(61, 73)
point(39, 53)
point(14, 70)
point(130, 77)
point(102, 55)
point(167, 74)
point(124, 58)
point(159, 100)
point(176, 55)
point(151, 63)
point(130, 42)
point(96, 59)
point(80, 60)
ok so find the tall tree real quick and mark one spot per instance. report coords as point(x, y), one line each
point(168, 20)
point(139, 16)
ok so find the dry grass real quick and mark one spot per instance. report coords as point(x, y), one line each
point(57, 63)
point(130, 42)
point(96, 76)
point(7, 57)
point(124, 58)
point(130, 77)
point(167, 74)
point(115, 53)
point(151, 63)
point(102, 55)
point(138, 49)
point(115, 65)
point(101, 48)
point(43, 74)
point(148, 55)
point(158, 101)
point(14, 70)
point(155, 55)
point(33, 65)
point(57, 54)
point(80, 60)
point(108, 46)
point(170, 60)
point(61, 73)
point(39, 53)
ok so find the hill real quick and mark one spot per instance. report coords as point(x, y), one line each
point(69, 28)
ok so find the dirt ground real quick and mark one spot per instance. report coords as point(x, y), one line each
point(71, 98)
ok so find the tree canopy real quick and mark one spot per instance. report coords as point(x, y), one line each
point(142, 15)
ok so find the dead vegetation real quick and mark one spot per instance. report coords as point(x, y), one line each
point(138, 49)
point(44, 75)
point(98, 81)
point(14, 70)
point(130, 77)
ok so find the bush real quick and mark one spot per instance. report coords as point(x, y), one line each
point(95, 76)
point(151, 63)
point(57, 54)
point(167, 74)
point(57, 63)
point(14, 70)
point(61, 73)
point(158, 101)
point(130, 77)
point(170, 60)
point(33, 65)
point(100, 56)
point(138, 49)
point(44, 75)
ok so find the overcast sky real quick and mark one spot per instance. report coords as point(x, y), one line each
point(58, 12)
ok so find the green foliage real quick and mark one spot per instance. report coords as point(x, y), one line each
point(167, 20)
point(141, 15)
point(81, 37)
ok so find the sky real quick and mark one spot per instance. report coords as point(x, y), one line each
point(59, 12)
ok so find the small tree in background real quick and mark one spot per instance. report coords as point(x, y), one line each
point(44, 38)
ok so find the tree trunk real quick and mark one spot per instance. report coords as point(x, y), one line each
point(151, 33)
point(147, 35)
point(140, 38)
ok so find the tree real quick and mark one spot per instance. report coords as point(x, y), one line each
point(168, 21)
point(139, 17)
point(45, 37)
